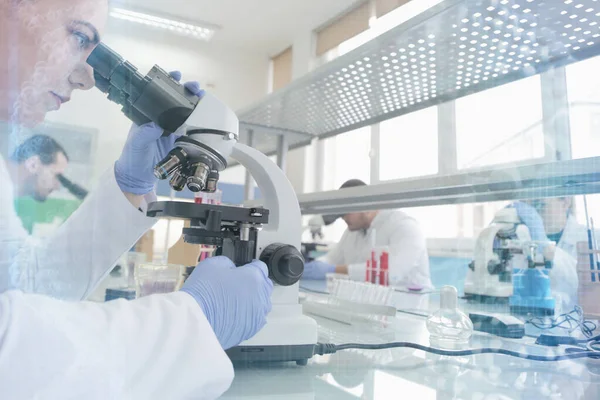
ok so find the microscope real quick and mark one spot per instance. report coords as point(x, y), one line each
point(508, 267)
point(497, 253)
point(207, 133)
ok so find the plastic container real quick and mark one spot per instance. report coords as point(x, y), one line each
point(208, 198)
point(449, 328)
point(158, 278)
point(132, 261)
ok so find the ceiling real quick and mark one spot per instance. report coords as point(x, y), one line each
point(266, 26)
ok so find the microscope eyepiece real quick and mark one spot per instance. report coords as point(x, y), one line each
point(118, 72)
point(158, 97)
point(104, 61)
point(101, 82)
point(72, 187)
point(155, 97)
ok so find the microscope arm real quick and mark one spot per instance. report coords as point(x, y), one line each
point(278, 194)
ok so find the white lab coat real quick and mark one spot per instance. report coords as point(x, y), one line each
point(159, 347)
point(408, 263)
point(563, 276)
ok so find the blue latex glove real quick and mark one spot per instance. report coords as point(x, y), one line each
point(236, 301)
point(317, 270)
point(532, 219)
point(144, 148)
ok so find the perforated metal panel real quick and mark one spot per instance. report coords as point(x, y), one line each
point(451, 50)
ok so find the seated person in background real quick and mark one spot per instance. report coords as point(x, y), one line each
point(553, 219)
point(35, 165)
point(401, 234)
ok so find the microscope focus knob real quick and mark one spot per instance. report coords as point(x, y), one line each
point(285, 263)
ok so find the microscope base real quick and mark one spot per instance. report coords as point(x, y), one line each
point(532, 311)
point(484, 299)
point(270, 354)
point(288, 336)
point(482, 290)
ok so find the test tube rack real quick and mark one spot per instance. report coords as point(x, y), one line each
point(353, 303)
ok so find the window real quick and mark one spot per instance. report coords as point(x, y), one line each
point(583, 86)
point(500, 125)
point(235, 175)
point(347, 157)
point(344, 28)
point(388, 15)
point(282, 69)
point(593, 211)
point(382, 7)
point(409, 145)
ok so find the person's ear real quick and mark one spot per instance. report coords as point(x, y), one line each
point(33, 164)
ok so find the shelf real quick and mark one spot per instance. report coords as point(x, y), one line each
point(560, 178)
point(453, 49)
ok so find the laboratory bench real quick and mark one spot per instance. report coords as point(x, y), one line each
point(412, 374)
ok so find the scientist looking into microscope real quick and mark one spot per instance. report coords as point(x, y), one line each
point(409, 261)
point(35, 166)
point(553, 219)
point(54, 346)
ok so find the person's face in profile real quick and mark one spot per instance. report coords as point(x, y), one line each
point(44, 56)
point(46, 179)
point(554, 212)
point(356, 221)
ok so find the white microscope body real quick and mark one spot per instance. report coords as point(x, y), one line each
point(207, 133)
point(489, 275)
point(288, 335)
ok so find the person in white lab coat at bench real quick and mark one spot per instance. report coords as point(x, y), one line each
point(158, 347)
point(553, 219)
point(401, 234)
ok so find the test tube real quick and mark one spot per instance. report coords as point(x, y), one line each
point(374, 267)
point(384, 261)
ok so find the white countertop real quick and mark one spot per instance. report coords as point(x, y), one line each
point(410, 374)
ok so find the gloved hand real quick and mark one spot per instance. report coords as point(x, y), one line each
point(236, 301)
point(532, 219)
point(317, 270)
point(144, 148)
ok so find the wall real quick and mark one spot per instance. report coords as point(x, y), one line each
point(236, 77)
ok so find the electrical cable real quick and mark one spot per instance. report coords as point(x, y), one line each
point(586, 348)
point(566, 321)
point(329, 348)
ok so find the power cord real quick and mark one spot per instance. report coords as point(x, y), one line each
point(592, 352)
point(570, 321)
